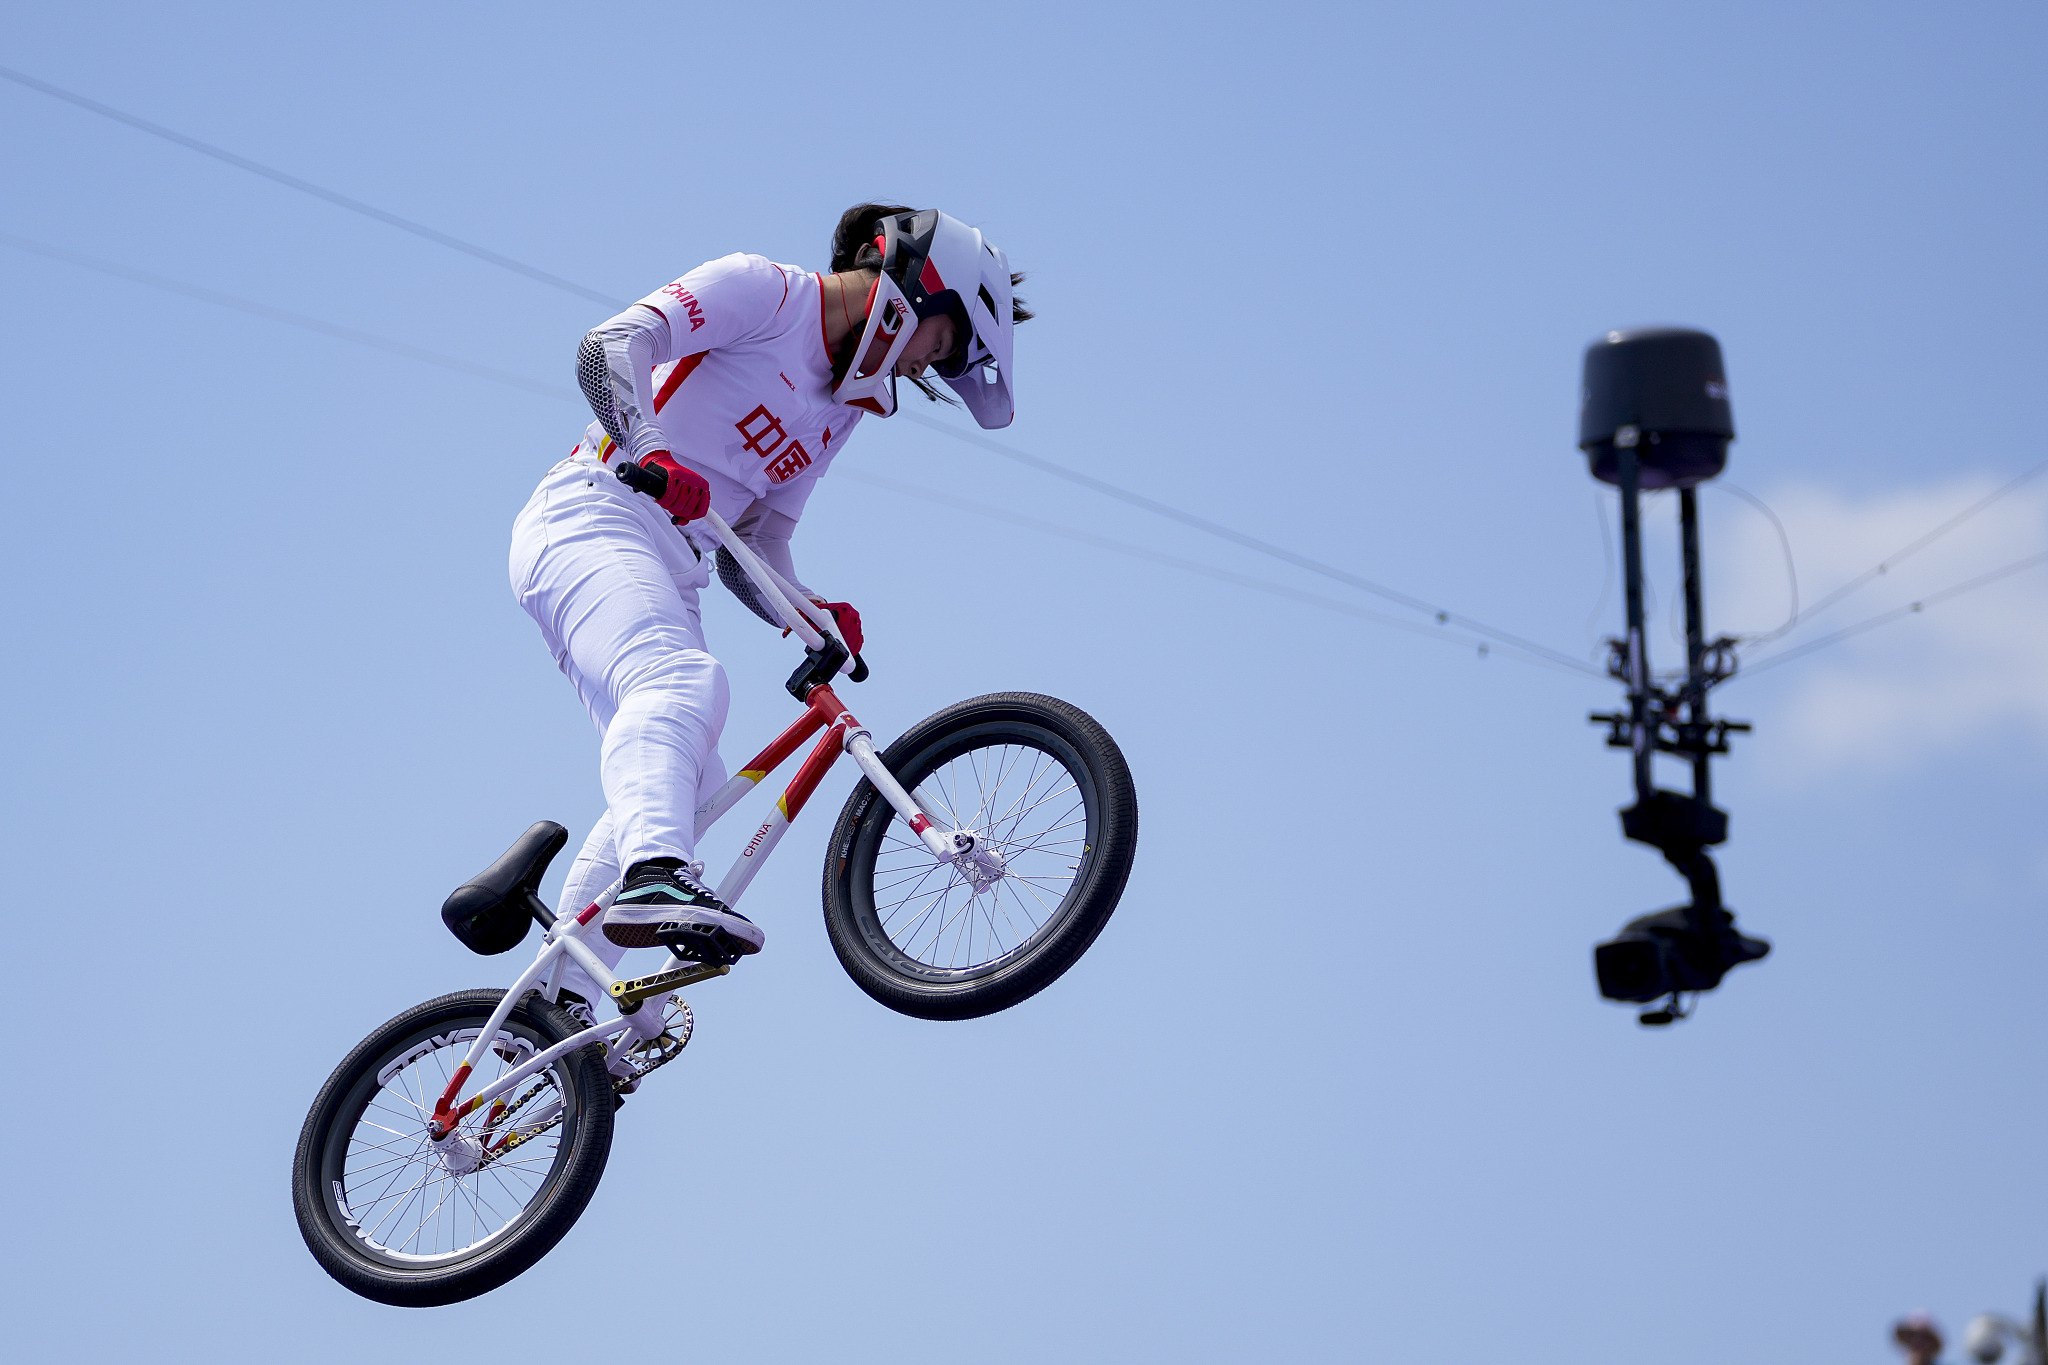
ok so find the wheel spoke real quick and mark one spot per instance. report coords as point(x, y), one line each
point(396, 1182)
point(1025, 805)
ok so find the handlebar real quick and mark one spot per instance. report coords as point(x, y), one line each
point(652, 482)
point(811, 624)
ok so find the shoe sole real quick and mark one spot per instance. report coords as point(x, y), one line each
point(701, 943)
point(658, 930)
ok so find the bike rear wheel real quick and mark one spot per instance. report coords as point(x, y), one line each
point(394, 1216)
point(1048, 797)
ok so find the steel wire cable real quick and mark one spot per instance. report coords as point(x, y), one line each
point(291, 181)
point(1193, 566)
point(1527, 648)
point(1885, 565)
point(515, 381)
point(300, 320)
point(1983, 580)
point(1784, 547)
point(511, 380)
point(371, 211)
point(1443, 615)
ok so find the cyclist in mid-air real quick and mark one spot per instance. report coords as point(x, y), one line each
point(740, 382)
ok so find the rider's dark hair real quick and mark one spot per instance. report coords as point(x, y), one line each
point(853, 241)
point(853, 248)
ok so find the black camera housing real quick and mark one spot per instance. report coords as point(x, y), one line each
point(1663, 393)
point(1683, 949)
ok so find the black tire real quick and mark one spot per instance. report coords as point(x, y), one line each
point(535, 1198)
point(1002, 733)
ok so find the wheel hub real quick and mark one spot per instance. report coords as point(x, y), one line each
point(977, 860)
point(461, 1153)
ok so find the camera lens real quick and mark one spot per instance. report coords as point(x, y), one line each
point(1633, 969)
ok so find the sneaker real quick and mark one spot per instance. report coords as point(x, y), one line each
point(664, 904)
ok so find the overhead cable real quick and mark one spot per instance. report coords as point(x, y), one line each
point(214, 296)
point(510, 380)
point(1443, 615)
point(1886, 565)
point(1785, 548)
point(291, 181)
point(516, 381)
point(1185, 565)
point(1984, 580)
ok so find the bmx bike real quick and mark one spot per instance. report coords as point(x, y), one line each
point(974, 863)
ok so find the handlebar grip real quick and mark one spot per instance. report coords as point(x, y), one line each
point(639, 478)
point(860, 670)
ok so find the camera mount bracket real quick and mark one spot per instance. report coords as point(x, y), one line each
point(1688, 948)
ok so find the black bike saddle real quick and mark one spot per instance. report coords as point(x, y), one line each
point(491, 912)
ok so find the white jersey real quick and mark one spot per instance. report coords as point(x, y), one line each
point(726, 369)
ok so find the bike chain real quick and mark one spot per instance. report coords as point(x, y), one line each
point(621, 1085)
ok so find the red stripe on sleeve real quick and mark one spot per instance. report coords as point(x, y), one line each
point(676, 377)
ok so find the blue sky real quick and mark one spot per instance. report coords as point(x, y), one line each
point(1335, 1082)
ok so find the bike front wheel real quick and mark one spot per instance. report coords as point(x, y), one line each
point(410, 1222)
point(1048, 800)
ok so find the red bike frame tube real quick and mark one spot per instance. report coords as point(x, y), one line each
point(822, 706)
point(824, 702)
point(822, 711)
point(786, 743)
point(813, 772)
point(444, 1109)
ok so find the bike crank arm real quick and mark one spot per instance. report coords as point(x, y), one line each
point(627, 994)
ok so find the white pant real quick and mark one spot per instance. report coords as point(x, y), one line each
point(613, 586)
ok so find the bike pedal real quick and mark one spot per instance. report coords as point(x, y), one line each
point(694, 943)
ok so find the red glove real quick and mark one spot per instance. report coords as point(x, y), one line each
point(849, 623)
point(687, 496)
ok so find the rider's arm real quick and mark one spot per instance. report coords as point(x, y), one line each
point(720, 303)
point(614, 366)
point(767, 534)
point(776, 521)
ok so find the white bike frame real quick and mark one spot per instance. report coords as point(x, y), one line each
point(638, 1022)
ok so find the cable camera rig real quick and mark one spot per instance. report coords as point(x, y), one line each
point(1654, 414)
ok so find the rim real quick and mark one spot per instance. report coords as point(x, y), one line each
point(1023, 800)
point(391, 1188)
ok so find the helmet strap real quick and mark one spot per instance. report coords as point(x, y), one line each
point(870, 380)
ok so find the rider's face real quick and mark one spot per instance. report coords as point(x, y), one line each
point(932, 341)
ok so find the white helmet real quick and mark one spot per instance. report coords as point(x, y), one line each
point(934, 264)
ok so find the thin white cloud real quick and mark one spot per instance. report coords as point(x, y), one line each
point(1965, 668)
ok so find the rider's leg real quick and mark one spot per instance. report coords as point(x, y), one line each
point(597, 866)
point(613, 587)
